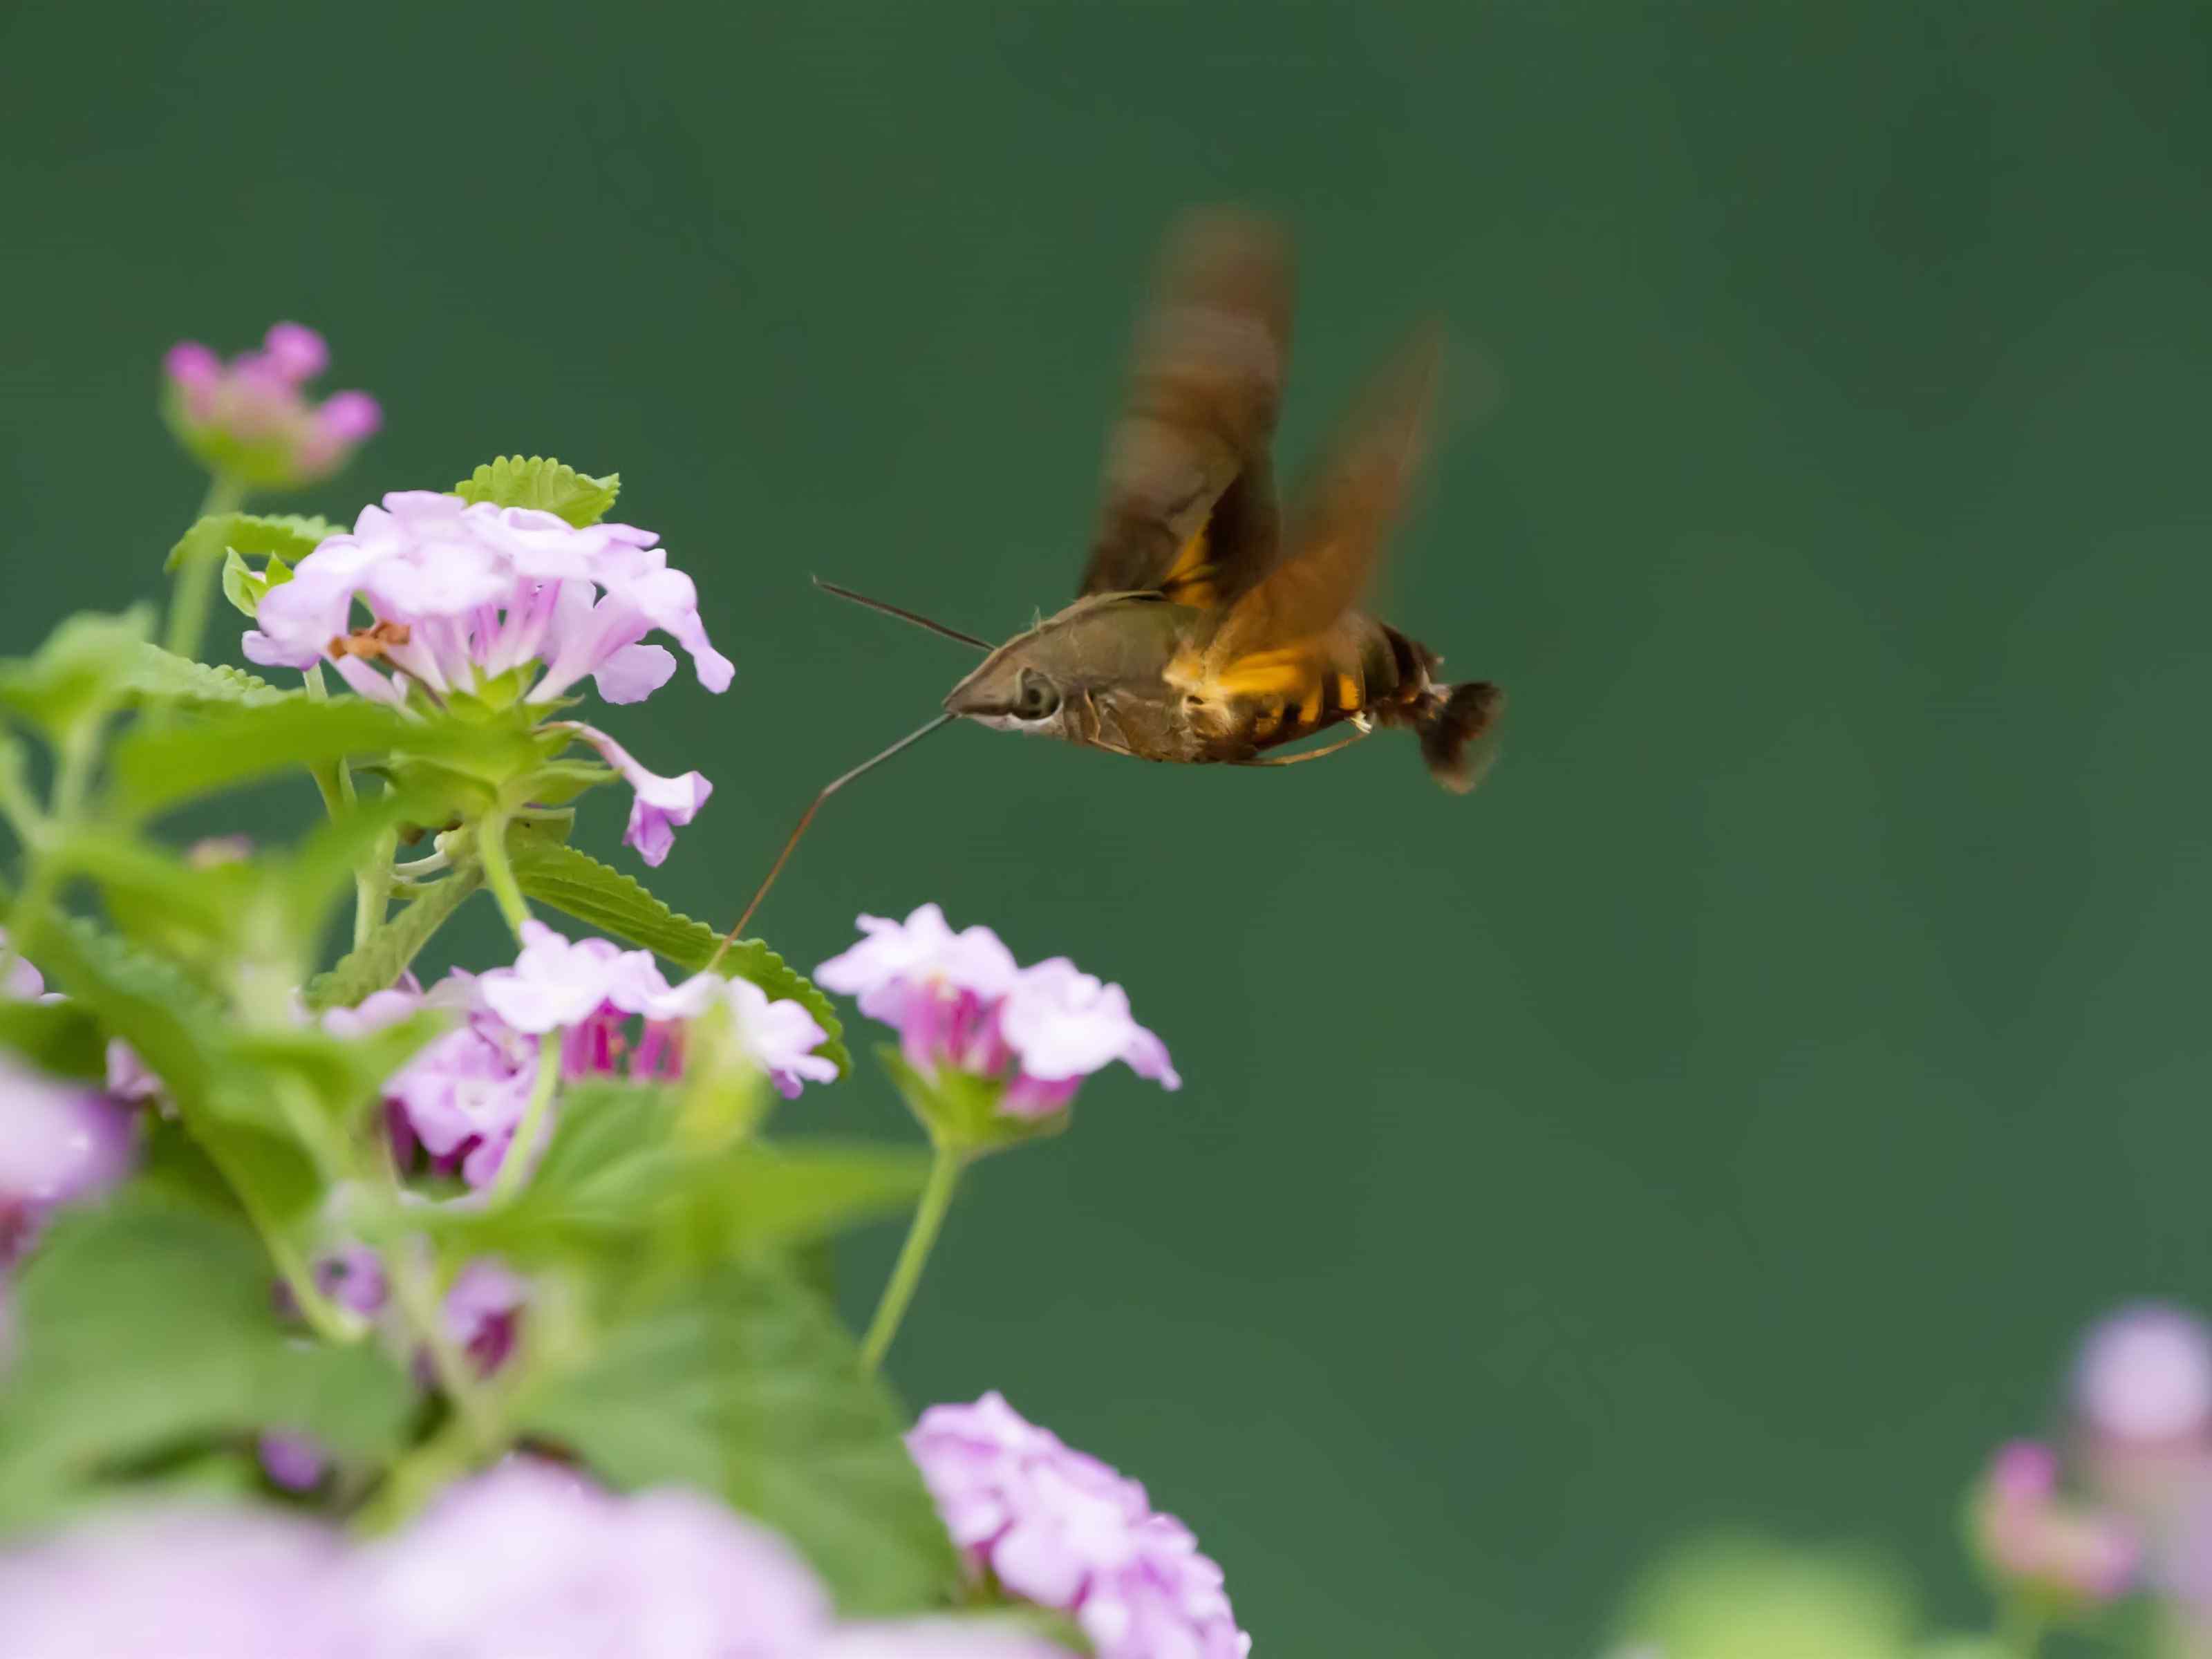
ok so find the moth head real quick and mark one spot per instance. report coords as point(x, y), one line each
point(1010, 695)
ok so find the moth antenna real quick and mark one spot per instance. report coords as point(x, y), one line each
point(918, 620)
point(807, 818)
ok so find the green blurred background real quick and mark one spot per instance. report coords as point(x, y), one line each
point(1728, 1112)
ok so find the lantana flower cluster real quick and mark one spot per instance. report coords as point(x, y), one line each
point(2122, 1500)
point(462, 1097)
point(63, 1141)
point(528, 1558)
point(1058, 1528)
point(960, 1002)
point(480, 1315)
point(251, 419)
point(506, 603)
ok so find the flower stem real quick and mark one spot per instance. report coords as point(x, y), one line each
point(522, 1150)
point(499, 873)
point(196, 580)
point(417, 1297)
point(920, 1236)
point(372, 877)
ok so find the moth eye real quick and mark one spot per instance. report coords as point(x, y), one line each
point(1036, 699)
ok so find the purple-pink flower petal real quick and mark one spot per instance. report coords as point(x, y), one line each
point(532, 1559)
point(660, 806)
point(1061, 1528)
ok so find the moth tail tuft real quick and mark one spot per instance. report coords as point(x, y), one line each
point(1451, 724)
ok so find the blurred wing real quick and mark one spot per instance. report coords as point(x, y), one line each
point(1334, 537)
point(1189, 503)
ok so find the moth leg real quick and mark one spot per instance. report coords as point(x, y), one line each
point(1363, 727)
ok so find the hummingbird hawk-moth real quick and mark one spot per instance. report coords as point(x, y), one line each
point(1212, 624)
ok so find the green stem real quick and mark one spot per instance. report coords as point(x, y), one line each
point(417, 1477)
point(499, 873)
point(79, 747)
point(196, 580)
point(921, 1234)
point(522, 1150)
point(325, 1317)
point(416, 1296)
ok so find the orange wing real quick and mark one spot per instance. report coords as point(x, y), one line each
point(1268, 635)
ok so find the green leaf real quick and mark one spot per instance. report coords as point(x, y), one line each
point(245, 587)
point(64, 1038)
point(145, 1329)
point(797, 1191)
point(150, 672)
point(622, 1163)
point(746, 1384)
point(544, 483)
point(286, 536)
point(579, 885)
point(345, 1075)
point(143, 999)
point(157, 770)
point(78, 671)
point(140, 880)
point(378, 962)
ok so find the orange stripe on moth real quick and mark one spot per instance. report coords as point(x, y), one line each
point(1311, 701)
point(1189, 559)
point(1279, 672)
point(1189, 580)
point(1347, 694)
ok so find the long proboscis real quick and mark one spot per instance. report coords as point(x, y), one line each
point(903, 615)
point(807, 818)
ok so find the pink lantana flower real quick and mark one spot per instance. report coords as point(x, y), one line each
point(1058, 1528)
point(483, 1312)
point(252, 418)
point(462, 1096)
point(429, 598)
point(2029, 1533)
point(62, 1143)
point(959, 1001)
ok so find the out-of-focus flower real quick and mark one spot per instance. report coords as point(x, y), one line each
point(2144, 1376)
point(353, 1277)
point(530, 1559)
point(127, 1076)
point(937, 1638)
point(19, 980)
point(251, 419)
point(463, 1093)
point(958, 1001)
point(506, 603)
point(241, 1584)
point(2143, 1412)
point(483, 1311)
point(296, 1462)
point(1061, 1529)
point(2029, 1534)
point(62, 1142)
